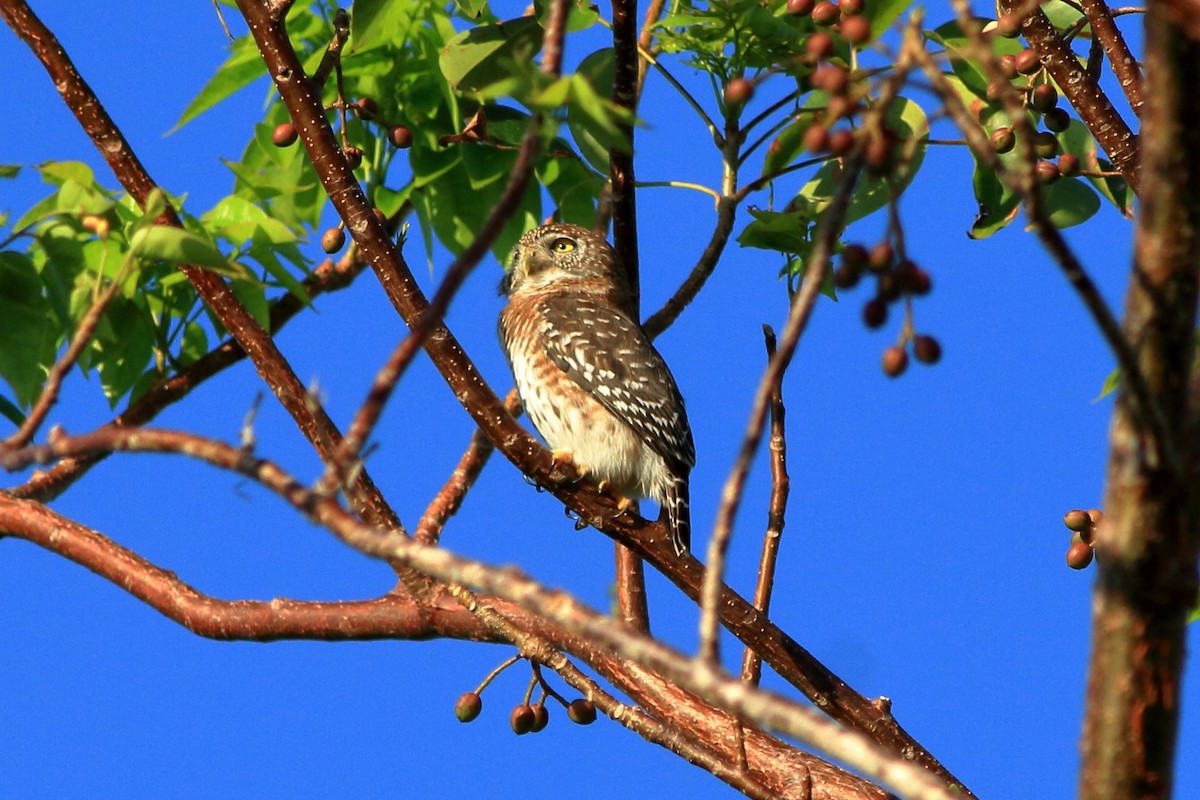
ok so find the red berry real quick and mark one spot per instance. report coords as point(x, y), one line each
point(856, 29)
point(851, 7)
point(1008, 65)
point(468, 707)
point(332, 241)
point(927, 349)
point(366, 106)
point(830, 78)
point(875, 313)
point(816, 138)
point(541, 718)
point(581, 711)
point(895, 361)
point(1003, 140)
point(825, 13)
point(819, 46)
point(841, 142)
point(1046, 172)
point(881, 256)
point(1043, 98)
point(284, 134)
point(1027, 62)
point(1057, 120)
point(738, 91)
point(800, 8)
point(1079, 555)
point(400, 136)
point(521, 719)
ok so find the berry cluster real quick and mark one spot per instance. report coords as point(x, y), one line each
point(1083, 525)
point(896, 279)
point(367, 109)
point(527, 717)
point(1025, 71)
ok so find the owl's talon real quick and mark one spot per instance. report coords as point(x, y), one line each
point(564, 461)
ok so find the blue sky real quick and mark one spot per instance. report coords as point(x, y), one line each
point(923, 556)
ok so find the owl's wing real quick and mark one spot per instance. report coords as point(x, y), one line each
point(609, 355)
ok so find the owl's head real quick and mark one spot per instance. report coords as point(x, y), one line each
point(558, 255)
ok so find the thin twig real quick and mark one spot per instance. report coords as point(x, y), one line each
point(776, 514)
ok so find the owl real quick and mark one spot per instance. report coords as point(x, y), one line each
point(590, 380)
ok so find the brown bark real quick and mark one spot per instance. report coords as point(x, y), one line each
point(1147, 545)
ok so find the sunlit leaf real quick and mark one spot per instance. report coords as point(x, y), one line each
point(490, 54)
point(178, 247)
point(243, 67)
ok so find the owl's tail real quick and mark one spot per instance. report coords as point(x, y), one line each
point(678, 513)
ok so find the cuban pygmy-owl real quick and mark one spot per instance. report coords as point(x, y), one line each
point(589, 378)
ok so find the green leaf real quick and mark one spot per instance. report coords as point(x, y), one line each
point(122, 349)
point(11, 412)
point(177, 246)
point(1070, 202)
point(959, 49)
point(75, 198)
point(243, 67)
point(255, 300)
point(56, 173)
point(27, 327)
point(597, 68)
point(581, 14)
point(782, 231)
point(997, 203)
point(490, 54)
point(884, 13)
point(9, 171)
point(788, 145)
point(907, 120)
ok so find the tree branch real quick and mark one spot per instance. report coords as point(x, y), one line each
point(1148, 543)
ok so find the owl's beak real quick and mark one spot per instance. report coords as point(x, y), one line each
point(516, 265)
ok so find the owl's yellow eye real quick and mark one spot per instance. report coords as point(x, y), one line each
point(562, 245)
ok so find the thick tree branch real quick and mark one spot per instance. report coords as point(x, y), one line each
point(893, 768)
point(1148, 543)
point(1081, 90)
point(1124, 65)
